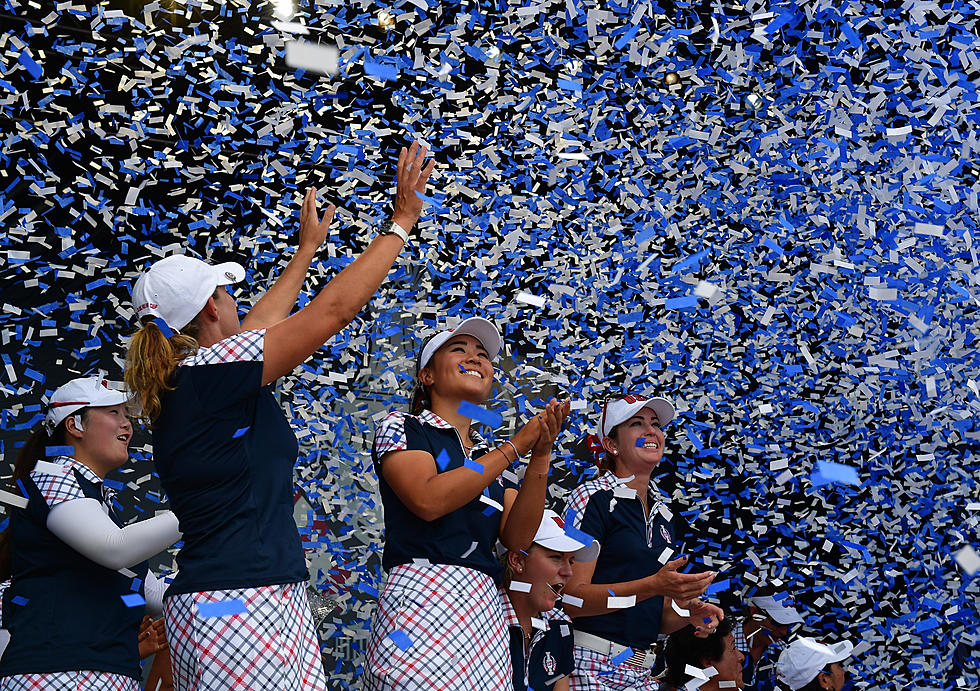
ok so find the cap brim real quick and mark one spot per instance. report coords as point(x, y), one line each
point(842, 650)
point(484, 331)
point(661, 406)
point(564, 543)
point(228, 273)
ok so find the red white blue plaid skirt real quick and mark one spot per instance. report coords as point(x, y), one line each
point(438, 628)
point(595, 672)
point(69, 681)
point(271, 645)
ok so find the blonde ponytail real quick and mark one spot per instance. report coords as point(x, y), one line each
point(151, 361)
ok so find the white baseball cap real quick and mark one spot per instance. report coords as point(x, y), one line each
point(482, 330)
point(803, 659)
point(622, 408)
point(776, 611)
point(84, 392)
point(176, 288)
point(551, 535)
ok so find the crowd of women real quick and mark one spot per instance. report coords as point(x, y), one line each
point(476, 565)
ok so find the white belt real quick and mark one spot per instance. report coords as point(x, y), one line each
point(644, 659)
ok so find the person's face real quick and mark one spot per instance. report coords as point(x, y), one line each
point(774, 629)
point(644, 424)
point(227, 312)
point(547, 571)
point(461, 368)
point(104, 437)
point(729, 666)
point(833, 678)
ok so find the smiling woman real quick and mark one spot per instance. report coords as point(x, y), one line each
point(446, 502)
point(65, 548)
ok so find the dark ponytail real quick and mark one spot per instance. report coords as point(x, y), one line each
point(420, 400)
point(33, 450)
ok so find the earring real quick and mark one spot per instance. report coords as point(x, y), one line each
point(615, 452)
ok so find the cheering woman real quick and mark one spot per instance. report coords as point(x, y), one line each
point(447, 500)
point(237, 615)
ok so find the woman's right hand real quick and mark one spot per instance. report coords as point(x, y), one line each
point(527, 436)
point(670, 582)
point(411, 177)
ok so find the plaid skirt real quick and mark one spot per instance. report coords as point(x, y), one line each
point(69, 681)
point(594, 672)
point(265, 640)
point(438, 627)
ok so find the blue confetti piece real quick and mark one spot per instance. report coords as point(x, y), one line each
point(480, 414)
point(136, 584)
point(473, 465)
point(30, 65)
point(716, 587)
point(20, 600)
point(225, 608)
point(50, 451)
point(926, 625)
point(133, 600)
point(240, 432)
point(640, 441)
point(164, 327)
point(622, 657)
point(401, 639)
point(826, 472)
point(442, 460)
point(383, 72)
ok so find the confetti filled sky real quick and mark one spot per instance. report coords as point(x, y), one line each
point(766, 211)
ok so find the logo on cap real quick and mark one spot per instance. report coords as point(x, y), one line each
point(559, 521)
point(229, 275)
point(549, 664)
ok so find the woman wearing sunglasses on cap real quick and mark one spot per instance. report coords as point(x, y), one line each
point(79, 579)
point(541, 646)
point(446, 502)
point(237, 613)
point(634, 589)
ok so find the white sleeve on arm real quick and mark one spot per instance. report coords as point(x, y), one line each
point(153, 590)
point(83, 525)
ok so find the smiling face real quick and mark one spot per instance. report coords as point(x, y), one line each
point(459, 370)
point(546, 570)
point(622, 443)
point(103, 442)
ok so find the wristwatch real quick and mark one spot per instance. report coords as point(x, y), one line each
point(389, 227)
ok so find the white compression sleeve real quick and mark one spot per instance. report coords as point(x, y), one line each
point(153, 590)
point(83, 525)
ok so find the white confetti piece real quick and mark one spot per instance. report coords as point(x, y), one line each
point(530, 299)
point(13, 499)
point(571, 600)
point(616, 602)
point(312, 57)
point(519, 587)
point(968, 559)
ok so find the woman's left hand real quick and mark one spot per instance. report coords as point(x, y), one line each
point(704, 617)
point(552, 419)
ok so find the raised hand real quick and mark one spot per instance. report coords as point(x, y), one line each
point(704, 617)
point(312, 229)
point(412, 175)
point(552, 419)
point(678, 586)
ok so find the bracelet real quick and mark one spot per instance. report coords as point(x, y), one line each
point(389, 227)
point(517, 454)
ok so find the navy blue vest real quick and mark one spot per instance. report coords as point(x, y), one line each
point(65, 612)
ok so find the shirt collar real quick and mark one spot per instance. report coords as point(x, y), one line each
point(430, 418)
point(609, 480)
point(86, 473)
point(510, 615)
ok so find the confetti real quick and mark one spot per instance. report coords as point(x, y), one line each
point(401, 639)
point(133, 600)
point(224, 608)
point(519, 587)
point(50, 451)
point(480, 414)
point(311, 57)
